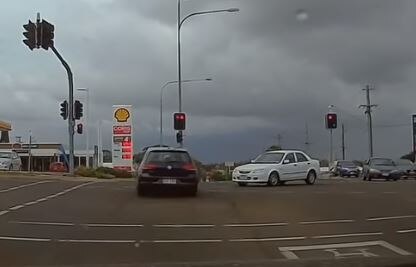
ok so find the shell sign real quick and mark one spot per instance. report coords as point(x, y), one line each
point(122, 114)
point(122, 138)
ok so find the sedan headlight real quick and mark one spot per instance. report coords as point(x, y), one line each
point(258, 171)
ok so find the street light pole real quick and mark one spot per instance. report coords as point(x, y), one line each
point(161, 103)
point(87, 115)
point(180, 22)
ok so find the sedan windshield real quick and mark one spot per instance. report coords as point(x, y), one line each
point(269, 158)
point(5, 155)
point(382, 162)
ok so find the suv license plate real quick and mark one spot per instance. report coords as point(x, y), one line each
point(168, 181)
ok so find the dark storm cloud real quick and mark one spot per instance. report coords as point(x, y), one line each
point(271, 72)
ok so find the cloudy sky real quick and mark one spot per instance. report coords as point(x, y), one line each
point(272, 72)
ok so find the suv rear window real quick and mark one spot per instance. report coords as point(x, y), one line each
point(168, 157)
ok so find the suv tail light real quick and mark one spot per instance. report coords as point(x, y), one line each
point(189, 167)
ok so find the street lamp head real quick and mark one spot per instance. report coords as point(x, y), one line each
point(233, 9)
point(82, 89)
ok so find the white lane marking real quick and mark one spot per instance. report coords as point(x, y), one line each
point(391, 218)
point(347, 235)
point(390, 192)
point(46, 197)
point(30, 203)
point(16, 207)
point(288, 252)
point(328, 221)
point(183, 225)
point(356, 192)
point(3, 212)
point(183, 241)
point(255, 224)
point(268, 239)
point(23, 186)
point(25, 239)
point(111, 225)
point(43, 223)
point(406, 231)
point(95, 241)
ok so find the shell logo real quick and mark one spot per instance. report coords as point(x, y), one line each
point(122, 115)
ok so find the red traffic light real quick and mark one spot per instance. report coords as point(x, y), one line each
point(179, 121)
point(331, 121)
point(79, 128)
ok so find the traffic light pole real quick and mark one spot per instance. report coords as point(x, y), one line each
point(330, 147)
point(71, 121)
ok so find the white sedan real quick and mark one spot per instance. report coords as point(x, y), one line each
point(277, 167)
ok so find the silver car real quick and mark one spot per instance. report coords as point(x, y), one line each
point(10, 161)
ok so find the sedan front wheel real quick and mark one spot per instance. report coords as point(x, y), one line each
point(273, 179)
point(311, 178)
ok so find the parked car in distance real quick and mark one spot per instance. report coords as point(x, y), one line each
point(278, 167)
point(346, 168)
point(381, 168)
point(405, 166)
point(10, 161)
point(167, 167)
point(58, 167)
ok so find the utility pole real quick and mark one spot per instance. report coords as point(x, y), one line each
point(307, 137)
point(29, 168)
point(279, 140)
point(343, 141)
point(368, 108)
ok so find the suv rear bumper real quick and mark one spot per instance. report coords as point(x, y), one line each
point(168, 181)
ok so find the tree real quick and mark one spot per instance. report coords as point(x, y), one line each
point(410, 156)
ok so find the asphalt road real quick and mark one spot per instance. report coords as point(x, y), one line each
point(48, 221)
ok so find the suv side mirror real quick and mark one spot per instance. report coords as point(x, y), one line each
point(286, 161)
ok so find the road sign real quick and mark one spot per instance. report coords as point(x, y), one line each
point(229, 164)
point(122, 138)
point(121, 130)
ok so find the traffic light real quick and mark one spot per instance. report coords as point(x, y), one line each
point(30, 34)
point(179, 120)
point(78, 110)
point(64, 110)
point(79, 128)
point(179, 137)
point(331, 121)
point(46, 34)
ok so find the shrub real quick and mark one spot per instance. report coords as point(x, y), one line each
point(102, 172)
